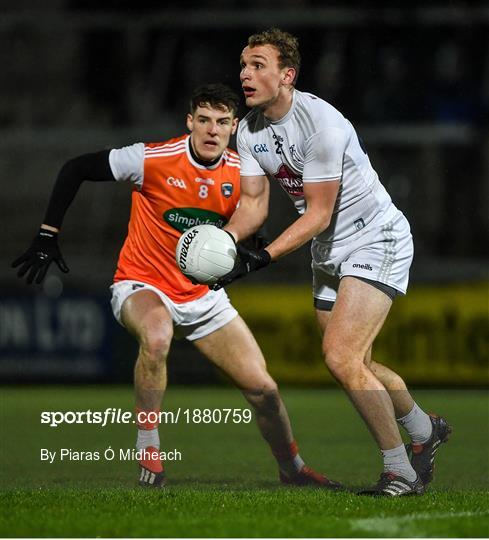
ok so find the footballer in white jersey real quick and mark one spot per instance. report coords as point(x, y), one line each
point(312, 143)
point(361, 245)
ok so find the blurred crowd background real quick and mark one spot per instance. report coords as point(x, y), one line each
point(82, 75)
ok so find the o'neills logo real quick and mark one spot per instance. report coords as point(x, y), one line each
point(190, 235)
point(363, 266)
point(290, 181)
point(182, 219)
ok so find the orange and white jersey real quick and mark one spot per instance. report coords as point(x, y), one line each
point(171, 193)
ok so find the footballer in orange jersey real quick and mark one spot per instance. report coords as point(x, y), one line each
point(174, 190)
point(189, 180)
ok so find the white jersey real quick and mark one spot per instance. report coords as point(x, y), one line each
point(314, 142)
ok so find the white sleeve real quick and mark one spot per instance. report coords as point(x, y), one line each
point(127, 163)
point(324, 155)
point(249, 165)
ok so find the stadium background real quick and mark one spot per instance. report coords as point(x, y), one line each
point(78, 76)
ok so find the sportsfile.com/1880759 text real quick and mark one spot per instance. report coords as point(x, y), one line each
point(111, 415)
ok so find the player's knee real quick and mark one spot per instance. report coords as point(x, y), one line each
point(340, 362)
point(265, 399)
point(332, 357)
point(155, 347)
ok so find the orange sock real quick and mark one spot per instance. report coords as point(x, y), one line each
point(288, 459)
point(147, 418)
point(287, 452)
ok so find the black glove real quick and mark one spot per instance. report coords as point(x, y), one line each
point(42, 252)
point(257, 241)
point(247, 261)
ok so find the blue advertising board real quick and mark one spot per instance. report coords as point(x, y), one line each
point(64, 338)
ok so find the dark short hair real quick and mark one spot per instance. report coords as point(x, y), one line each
point(217, 95)
point(286, 44)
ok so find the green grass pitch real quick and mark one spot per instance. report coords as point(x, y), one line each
point(226, 484)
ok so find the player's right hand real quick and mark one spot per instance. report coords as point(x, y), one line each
point(37, 259)
point(248, 260)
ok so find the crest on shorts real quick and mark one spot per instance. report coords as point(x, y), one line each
point(359, 224)
point(227, 189)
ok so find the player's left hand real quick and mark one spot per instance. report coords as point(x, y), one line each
point(41, 253)
point(248, 260)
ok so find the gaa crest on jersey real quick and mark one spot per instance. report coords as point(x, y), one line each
point(260, 148)
point(227, 189)
point(290, 181)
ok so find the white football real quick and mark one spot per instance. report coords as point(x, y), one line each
point(205, 253)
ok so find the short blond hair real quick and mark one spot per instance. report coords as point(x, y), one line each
point(286, 44)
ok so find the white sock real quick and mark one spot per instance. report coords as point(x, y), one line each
point(418, 425)
point(291, 466)
point(147, 437)
point(396, 461)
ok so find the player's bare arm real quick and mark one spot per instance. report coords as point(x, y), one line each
point(320, 199)
point(253, 207)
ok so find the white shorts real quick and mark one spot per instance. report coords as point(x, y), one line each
point(381, 252)
point(193, 320)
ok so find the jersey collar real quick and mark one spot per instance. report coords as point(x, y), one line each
point(197, 162)
point(288, 114)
